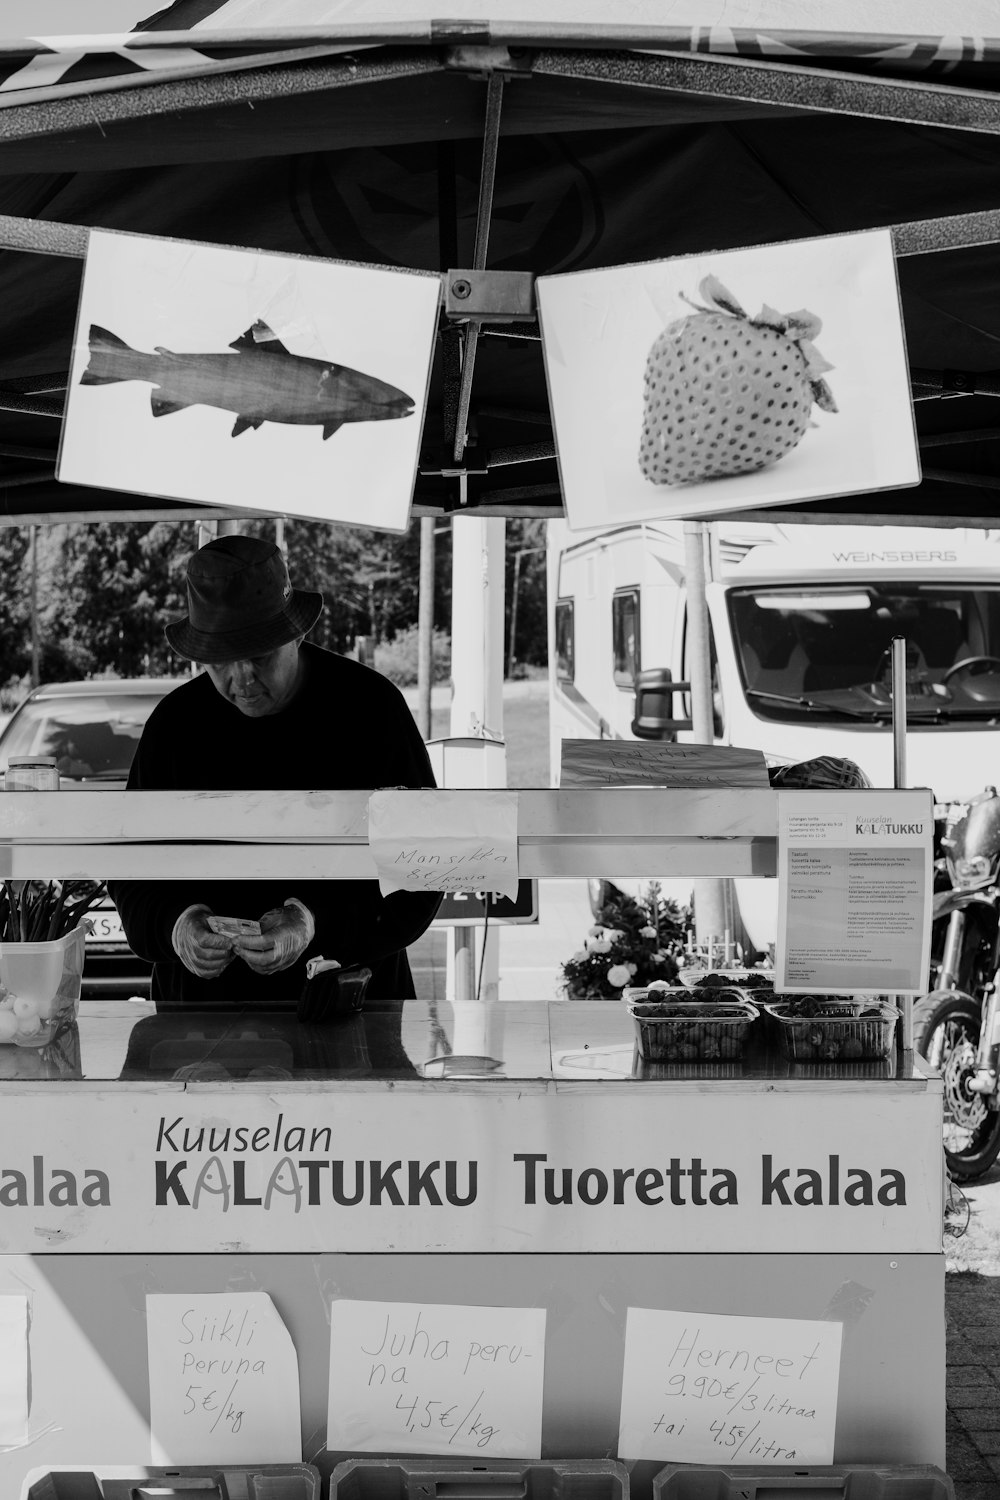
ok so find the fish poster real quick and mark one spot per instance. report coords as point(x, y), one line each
point(253, 381)
point(729, 380)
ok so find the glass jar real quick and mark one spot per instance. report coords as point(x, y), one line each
point(31, 773)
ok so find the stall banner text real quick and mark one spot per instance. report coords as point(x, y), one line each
point(520, 1168)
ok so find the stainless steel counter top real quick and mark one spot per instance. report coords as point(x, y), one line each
point(589, 1042)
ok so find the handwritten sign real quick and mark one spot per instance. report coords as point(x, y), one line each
point(656, 763)
point(444, 840)
point(223, 1380)
point(412, 1378)
point(13, 1369)
point(704, 1388)
point(855, 884)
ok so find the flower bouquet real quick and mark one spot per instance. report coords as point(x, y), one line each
point(42, 936)
point(631, 943)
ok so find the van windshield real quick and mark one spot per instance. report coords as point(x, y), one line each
point(824, 651)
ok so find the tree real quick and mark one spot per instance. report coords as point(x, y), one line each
point(369, 579)
point(527, 630)
point(110, 587)
point(15, 621)
point(117, 585)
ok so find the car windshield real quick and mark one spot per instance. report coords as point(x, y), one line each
point(825, 651)
point(92, 737)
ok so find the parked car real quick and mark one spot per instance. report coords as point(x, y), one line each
point(92, 729)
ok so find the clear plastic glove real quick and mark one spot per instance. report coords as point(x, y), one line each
point(285, 934)
point(201, 951)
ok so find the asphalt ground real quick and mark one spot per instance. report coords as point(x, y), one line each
point(972, 1433)
point(972, 1321)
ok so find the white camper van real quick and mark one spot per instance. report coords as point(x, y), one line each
point(801, 620)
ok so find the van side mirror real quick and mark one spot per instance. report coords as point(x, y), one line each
point(653, 717)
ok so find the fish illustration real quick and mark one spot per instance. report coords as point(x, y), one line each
point(261, 382)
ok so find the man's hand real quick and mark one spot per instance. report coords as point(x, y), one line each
point(285, 934)
point(201, 951)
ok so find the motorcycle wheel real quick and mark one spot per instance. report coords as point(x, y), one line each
point(949, 1037)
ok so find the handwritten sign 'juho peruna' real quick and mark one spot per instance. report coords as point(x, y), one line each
point(431, 1378)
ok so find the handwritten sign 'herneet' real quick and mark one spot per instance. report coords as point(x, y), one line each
point(444, 840)
point(409, 1377)
point(710, 1388)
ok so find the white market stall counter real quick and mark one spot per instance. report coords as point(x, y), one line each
point(517, 1157)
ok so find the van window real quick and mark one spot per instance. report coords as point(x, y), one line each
point(625, 636)
point(825, 650)
point(565, 670)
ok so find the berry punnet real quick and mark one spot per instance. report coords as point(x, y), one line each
point(728, 394)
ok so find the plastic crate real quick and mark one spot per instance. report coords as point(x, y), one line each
point(829, 1005)
point(672, 1027)
point(828, 1037)
point(499, 1479)
point(747, 981)
point(839, 1482)
point(234, 1482)
point(866, 1067)
point(662, 1071)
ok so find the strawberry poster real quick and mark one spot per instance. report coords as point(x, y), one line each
point(729, 380)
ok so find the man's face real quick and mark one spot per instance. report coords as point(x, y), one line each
point(259, 685)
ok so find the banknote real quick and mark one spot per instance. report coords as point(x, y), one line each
point(234, 926)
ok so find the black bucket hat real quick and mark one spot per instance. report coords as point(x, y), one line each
point(240, 602)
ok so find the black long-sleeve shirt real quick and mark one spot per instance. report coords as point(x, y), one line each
point(347, 727)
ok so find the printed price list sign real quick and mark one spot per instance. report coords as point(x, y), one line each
point(704, 1388)
point(855, 882)
point(412, 1378)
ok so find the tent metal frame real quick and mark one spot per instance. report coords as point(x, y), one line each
point(500, 308)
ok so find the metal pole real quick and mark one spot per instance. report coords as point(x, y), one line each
point(904, 1002)
point(487, 178)
point(35, 653)
point(713, 923)
point(898, 711)
point(699, 664)
point(513, 611)
point(477, 626)
point(425, 626)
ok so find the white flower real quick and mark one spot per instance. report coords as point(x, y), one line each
point(598, 945)
point(619, 975)
point(632, 968)
point(596, 932)
point(647, 932)
point(658, 958)
point(580, 957)
point(613, 935)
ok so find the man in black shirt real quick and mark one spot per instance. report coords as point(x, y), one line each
point(269, 711)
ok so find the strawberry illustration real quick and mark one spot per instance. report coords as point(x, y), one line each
point(726, 393)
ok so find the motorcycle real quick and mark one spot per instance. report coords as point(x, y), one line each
point(957, 1025)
